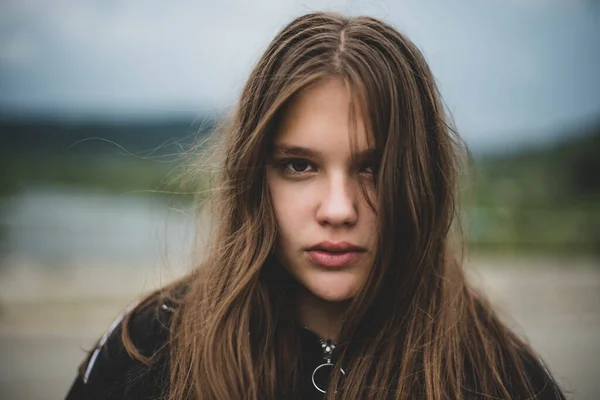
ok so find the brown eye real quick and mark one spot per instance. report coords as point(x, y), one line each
point(298, 166)
point(368, 171)
point(368, 168)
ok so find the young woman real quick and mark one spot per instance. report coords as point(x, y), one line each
point(334, 269)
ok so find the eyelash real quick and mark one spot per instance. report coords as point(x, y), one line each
point(286, 163)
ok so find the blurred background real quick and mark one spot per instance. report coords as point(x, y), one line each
point(99, 100)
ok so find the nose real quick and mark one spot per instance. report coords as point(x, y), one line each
point(338, 206)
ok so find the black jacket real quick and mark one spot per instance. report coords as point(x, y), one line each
point(110, 373)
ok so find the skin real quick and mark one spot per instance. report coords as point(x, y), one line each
point(316, 197)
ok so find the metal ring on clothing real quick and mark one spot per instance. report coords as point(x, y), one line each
point(327, 364)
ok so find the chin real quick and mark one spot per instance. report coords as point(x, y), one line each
point(333, 294)
point(328, 285)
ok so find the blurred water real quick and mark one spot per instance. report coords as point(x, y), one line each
point(54, 226)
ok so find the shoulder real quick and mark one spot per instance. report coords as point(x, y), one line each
point(112, 370)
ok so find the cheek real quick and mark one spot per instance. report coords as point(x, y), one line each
point(291, 206)
point(369, 225)
point(290, 216)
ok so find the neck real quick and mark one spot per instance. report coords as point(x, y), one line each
point(320, 316)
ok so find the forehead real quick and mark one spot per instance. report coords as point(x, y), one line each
point(323, 115)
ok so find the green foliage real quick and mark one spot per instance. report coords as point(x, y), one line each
point(111, 173)
point(545, 199)
point(121, 157)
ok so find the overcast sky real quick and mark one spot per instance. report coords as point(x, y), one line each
point(511, 71)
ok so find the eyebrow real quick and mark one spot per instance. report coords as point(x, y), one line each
point(298, 151)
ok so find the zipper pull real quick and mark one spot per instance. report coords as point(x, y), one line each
point(328, 347)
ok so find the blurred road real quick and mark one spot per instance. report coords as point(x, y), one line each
point(48, 318)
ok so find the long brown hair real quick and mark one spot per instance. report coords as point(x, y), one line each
point(416, 328)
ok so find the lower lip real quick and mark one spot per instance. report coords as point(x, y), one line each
point(328, 259)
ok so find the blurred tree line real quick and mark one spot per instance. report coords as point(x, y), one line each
point(545, 198)
point(115, 156)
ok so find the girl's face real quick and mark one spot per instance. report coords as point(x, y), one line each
point(326, 229)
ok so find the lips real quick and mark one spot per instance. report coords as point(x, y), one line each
point(334, 254)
